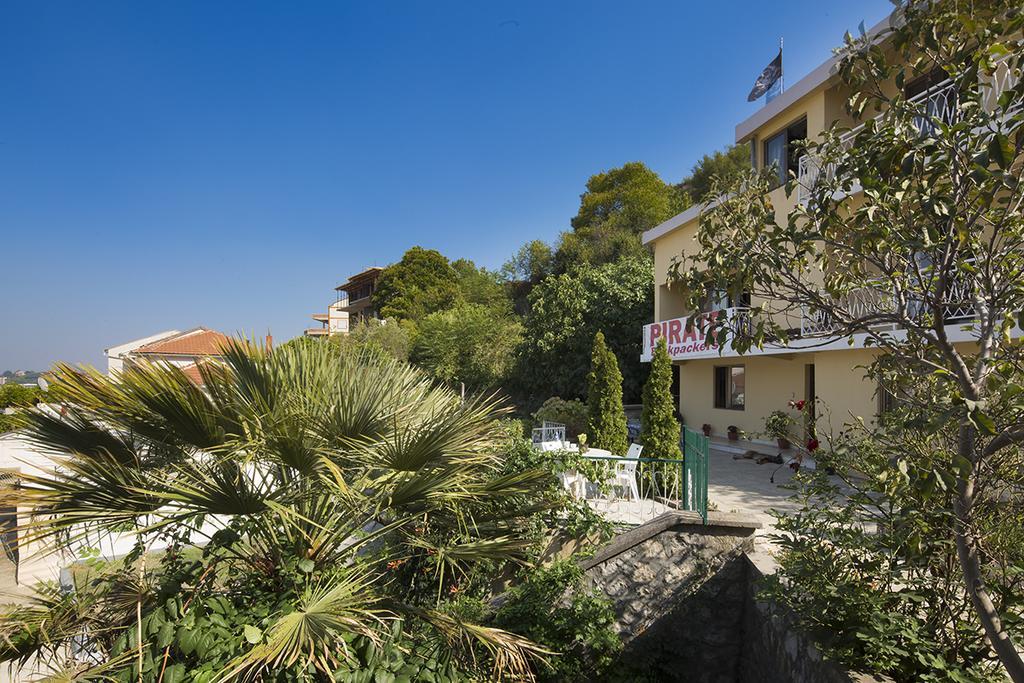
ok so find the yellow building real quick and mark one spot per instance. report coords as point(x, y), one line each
point(720, 387)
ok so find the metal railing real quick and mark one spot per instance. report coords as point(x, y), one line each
point(877, 299)
point(635, 490)
point(548, 432)
point(629, 490)
point(695, 472)
point(940, 104)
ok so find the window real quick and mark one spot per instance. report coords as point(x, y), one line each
point(719, 300)
point(730, 387)
point(781, 153)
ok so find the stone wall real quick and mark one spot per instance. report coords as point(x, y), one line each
point(775, 652)
point(685, 597)
point(679, 590)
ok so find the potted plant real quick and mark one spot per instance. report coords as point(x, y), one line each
point(779, 425)
point(706, 428)
point(734, 432)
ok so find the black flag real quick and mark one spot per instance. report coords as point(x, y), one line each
point(768, 78)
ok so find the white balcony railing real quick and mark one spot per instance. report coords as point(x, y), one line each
point(940, 103)
point(877, 300)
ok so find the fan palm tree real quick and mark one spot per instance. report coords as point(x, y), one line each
point(303, 504)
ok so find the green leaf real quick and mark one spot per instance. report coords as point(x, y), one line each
point(307, 565)
point(165, 635)
point(175, 673)
point(1001, 151)
point(252, 634)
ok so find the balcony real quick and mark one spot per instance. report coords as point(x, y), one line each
point(874, 303)
point(940, 104)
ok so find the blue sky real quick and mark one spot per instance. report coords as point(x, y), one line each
point(167, 165)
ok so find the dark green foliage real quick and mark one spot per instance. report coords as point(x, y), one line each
point(421, 283)
point(606, 424)
point(565, 313)
point(721, 166)
point(571, 413)
point(554, 607)
point(470, 343)
point(869, 567)
point(617, 206)
point(480, 286)
point(659, 428)
point(386, 339)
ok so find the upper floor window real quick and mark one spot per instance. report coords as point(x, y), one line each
point(781, 154)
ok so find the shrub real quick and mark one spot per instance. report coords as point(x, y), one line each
point(554, 608)
point(571, 413)
point(659, 429)
point(606, 425)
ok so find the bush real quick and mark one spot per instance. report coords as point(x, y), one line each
point(554, 608)
point(870, 572)
point(571, 413)
point(659, 430)
point(606, 425)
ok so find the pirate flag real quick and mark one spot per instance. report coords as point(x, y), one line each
point(769, 77)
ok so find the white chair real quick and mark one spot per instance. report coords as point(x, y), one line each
point(625, 472)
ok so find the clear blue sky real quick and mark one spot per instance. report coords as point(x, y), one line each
point(167, 165)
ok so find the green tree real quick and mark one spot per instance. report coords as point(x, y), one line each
point(307, 501)
point(659, 428)
point(937, 236)
point(470, 343)
point(565, 313)
point(718, 167)
point(532, 263)
point(617, 206)
point(606, 425)
point(525, 270)
point(386, 339)
point(421, 283)
point(478, 285)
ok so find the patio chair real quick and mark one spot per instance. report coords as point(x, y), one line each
point(625, 472)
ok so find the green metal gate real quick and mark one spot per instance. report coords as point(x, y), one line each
point(695, 472)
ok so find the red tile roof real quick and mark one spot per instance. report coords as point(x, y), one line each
point(197, 342)
point(192, 372)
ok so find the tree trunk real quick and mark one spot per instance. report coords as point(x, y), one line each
point(970, 569)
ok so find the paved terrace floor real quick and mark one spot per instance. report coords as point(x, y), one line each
point(734, 485)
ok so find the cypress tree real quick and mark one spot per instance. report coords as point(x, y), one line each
point(659, 429)
point(607, 418)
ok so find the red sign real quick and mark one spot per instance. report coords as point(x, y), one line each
point(680, 341)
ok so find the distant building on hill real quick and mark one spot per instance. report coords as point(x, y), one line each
point(354, 305)
point(185, 350)
point(360, 289)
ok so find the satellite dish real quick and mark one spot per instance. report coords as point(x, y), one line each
point(43, 384)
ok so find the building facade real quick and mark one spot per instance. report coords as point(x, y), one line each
point(720, 387)
point(359, 291)
point(334, 321)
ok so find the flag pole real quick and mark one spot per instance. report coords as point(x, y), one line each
point(782, 69)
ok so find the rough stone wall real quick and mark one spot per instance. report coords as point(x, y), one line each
point(775, 652)
point(685, 595)
point(679, 589)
